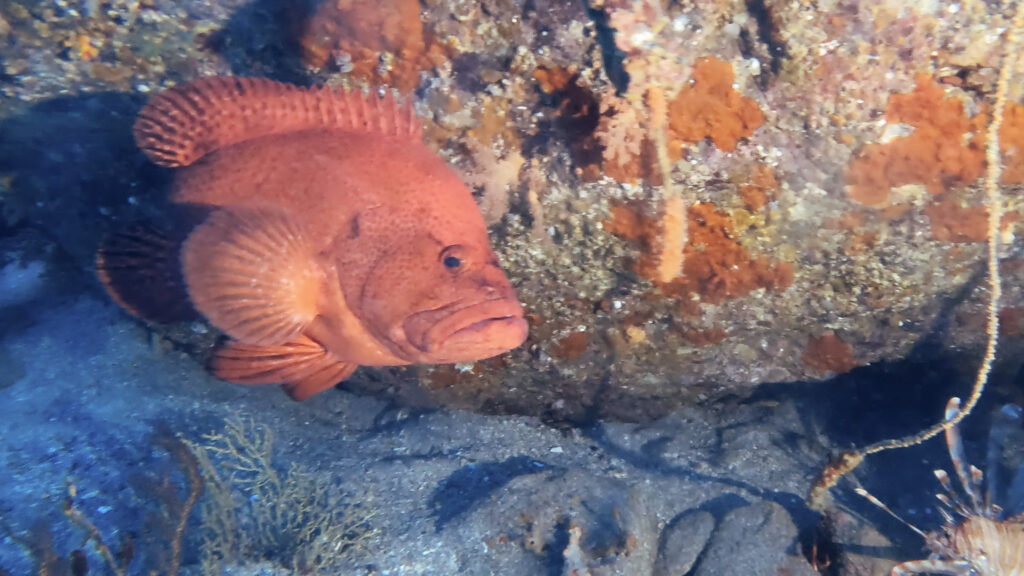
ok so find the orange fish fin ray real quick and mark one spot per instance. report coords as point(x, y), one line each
point(324, 379)
point(181, 125)
point(303, 367)
point(141, 271)
point(253, 274)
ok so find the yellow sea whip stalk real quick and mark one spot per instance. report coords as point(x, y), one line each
point(673, 219)
point(849, 460)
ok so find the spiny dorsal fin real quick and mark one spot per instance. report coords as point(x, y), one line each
point(181, 125)
point(252, 273)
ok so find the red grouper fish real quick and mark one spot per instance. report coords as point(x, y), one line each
point(329, 237)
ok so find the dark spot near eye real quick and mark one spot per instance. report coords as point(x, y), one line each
point(353, 228)
point(452, 262)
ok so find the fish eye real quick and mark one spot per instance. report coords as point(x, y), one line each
point(450, 257)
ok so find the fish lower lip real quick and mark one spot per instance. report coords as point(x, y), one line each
point(464, 332)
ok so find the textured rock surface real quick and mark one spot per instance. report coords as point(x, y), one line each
point(685, 540)
point(746, 542)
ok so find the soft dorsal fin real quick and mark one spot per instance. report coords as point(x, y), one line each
point(181, 125)
point(253, 274)
point(141, 270)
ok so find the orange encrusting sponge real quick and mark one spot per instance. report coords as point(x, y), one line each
point(711, 108)
point(371, 33)
point(946, 147)
point(1011, 144)
point(716, 266)
point(708, 108)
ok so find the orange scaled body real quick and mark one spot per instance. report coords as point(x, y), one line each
point(329, 237)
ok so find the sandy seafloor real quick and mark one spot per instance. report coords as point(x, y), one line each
point(450, 492)
point(709, 490)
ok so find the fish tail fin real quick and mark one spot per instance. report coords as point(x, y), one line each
point(181, 125)
point(303, 367)
point(141, 271)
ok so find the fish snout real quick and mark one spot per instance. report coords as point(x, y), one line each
point(495, 285)
point(468, 332)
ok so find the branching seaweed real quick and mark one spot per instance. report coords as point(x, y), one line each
point(118, 564)
point(168, 523)
point(173, 519)
point(254, 512)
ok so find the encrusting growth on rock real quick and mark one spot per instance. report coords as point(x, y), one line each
point(716, 266)
point(712, 108)
point(952, 222)
point(761, 188)
point(376, 41)
point(828, 353)
point(1011, 144)
point(708, 108)
point(942, 150)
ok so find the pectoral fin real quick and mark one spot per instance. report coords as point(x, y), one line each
point(253, 274)
point(303, 367)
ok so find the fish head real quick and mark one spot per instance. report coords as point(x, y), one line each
point(440, 296)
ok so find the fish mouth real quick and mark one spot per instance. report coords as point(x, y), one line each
point(466, 332)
